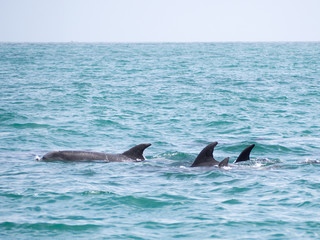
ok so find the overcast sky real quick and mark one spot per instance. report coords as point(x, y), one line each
point(159, 20)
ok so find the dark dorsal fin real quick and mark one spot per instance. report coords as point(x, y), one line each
point(245, 154)
point(137, 151)
point(205, 157)
point(224, 162)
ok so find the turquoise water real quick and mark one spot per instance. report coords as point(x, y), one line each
point(179, 97)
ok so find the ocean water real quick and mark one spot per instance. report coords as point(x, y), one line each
point(179, 97)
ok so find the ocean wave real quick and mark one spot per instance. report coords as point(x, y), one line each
point(43, 226)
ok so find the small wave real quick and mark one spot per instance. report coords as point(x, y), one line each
point(29, 125)
point(47, 226)
point(226, 168)
point(143, 202)
point(161, 223)
point(96, 192)
point(235, 190)
point(232, 201)
point(311, 161)
point(11, 195)
point(89, 172)
point(174, 156)
point(257, 163)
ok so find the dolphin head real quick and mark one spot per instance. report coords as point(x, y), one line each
point(51, 156)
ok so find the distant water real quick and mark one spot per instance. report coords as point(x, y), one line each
point(179, 97)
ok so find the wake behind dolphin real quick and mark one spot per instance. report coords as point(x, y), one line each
point(206, 159)
point(134, 154)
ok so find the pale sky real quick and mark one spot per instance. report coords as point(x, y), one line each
point(159, 20)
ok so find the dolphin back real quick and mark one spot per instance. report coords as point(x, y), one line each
point(205, 157)
point(224, 162)
point(73, 156)
point(245, 154)
point(137, 151)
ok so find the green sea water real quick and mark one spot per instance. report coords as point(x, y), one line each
point(179, 97)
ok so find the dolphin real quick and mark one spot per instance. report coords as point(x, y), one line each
point(134, 154)
point(206, 159)
point(245, 154)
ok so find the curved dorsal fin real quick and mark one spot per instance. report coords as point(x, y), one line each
point(137, 151)
point(245, 154)
point(224, 162)
point(205, 157)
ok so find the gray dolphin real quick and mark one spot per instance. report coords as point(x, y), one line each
point(134, 154)
point(206, 159)
point(245, 154)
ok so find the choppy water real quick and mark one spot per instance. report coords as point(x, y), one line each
point(179, 97)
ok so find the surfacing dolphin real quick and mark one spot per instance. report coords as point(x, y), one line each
point(134, 154)
point(206, 159)
point(245, 154)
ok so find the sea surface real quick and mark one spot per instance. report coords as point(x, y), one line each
point(180, 97)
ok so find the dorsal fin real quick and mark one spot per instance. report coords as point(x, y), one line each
point(224, 162)
point(245, 154)
point(137, 151)
point(205, 157)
